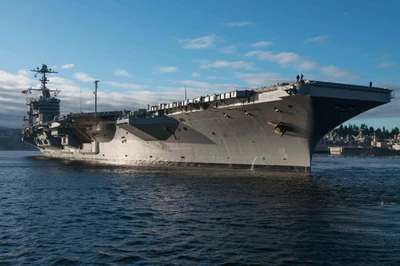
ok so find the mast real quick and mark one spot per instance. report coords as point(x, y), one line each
point(81, 100)
point(185, 93)
point(43, 71)
point(95, 97)
point(47, 107)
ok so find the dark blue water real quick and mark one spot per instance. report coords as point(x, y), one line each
point(52, 213)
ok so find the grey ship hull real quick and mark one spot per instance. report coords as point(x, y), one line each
point(232, 131)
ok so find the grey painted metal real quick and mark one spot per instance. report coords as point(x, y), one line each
point(275, 126)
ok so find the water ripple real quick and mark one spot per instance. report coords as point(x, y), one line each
point(52, 213)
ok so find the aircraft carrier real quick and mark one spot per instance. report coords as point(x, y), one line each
point(272, 127)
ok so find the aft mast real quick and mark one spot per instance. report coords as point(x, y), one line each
point(96, 86)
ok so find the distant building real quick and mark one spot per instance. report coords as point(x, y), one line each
point(381, 144)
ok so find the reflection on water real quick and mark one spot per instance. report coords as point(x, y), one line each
point(345, 212)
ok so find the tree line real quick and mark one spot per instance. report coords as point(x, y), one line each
point(354, 130)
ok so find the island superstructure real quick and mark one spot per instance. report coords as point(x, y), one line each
point(275, 126)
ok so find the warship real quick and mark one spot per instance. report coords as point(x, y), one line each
point(272, 127)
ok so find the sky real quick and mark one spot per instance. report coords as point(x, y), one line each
point(145, 52)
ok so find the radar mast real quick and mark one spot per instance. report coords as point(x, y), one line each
point(43, 88)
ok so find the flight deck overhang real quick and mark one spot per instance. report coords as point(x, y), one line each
point(345, 91)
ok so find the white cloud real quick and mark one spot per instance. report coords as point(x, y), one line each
point(195, 89)
point(386, 65)
point(335, 72)
point(261, 44)
point(316, 40)
point(229, 49)
point(209, 86)
point(11, 86)
point(126, 85)
point(301, 63)
point(196, 75)
point(261, 79)
point(83, 77)
point(166, 69)
point(215, 77)
point(236, 24)
point(225, 64)
point(196, 84)
point(68, 66)
point(122, 73)
point(285, 59)
point(199, 43)
point(20, 80)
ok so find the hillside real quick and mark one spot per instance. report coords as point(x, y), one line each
point(11, 139)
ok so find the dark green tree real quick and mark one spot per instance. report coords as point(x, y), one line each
point(371, 131)
point(378, 133)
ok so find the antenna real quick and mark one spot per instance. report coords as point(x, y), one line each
point(81, 99)
point(185, 93)
point(96, 82)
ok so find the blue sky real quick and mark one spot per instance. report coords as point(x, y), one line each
point(143, 52)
